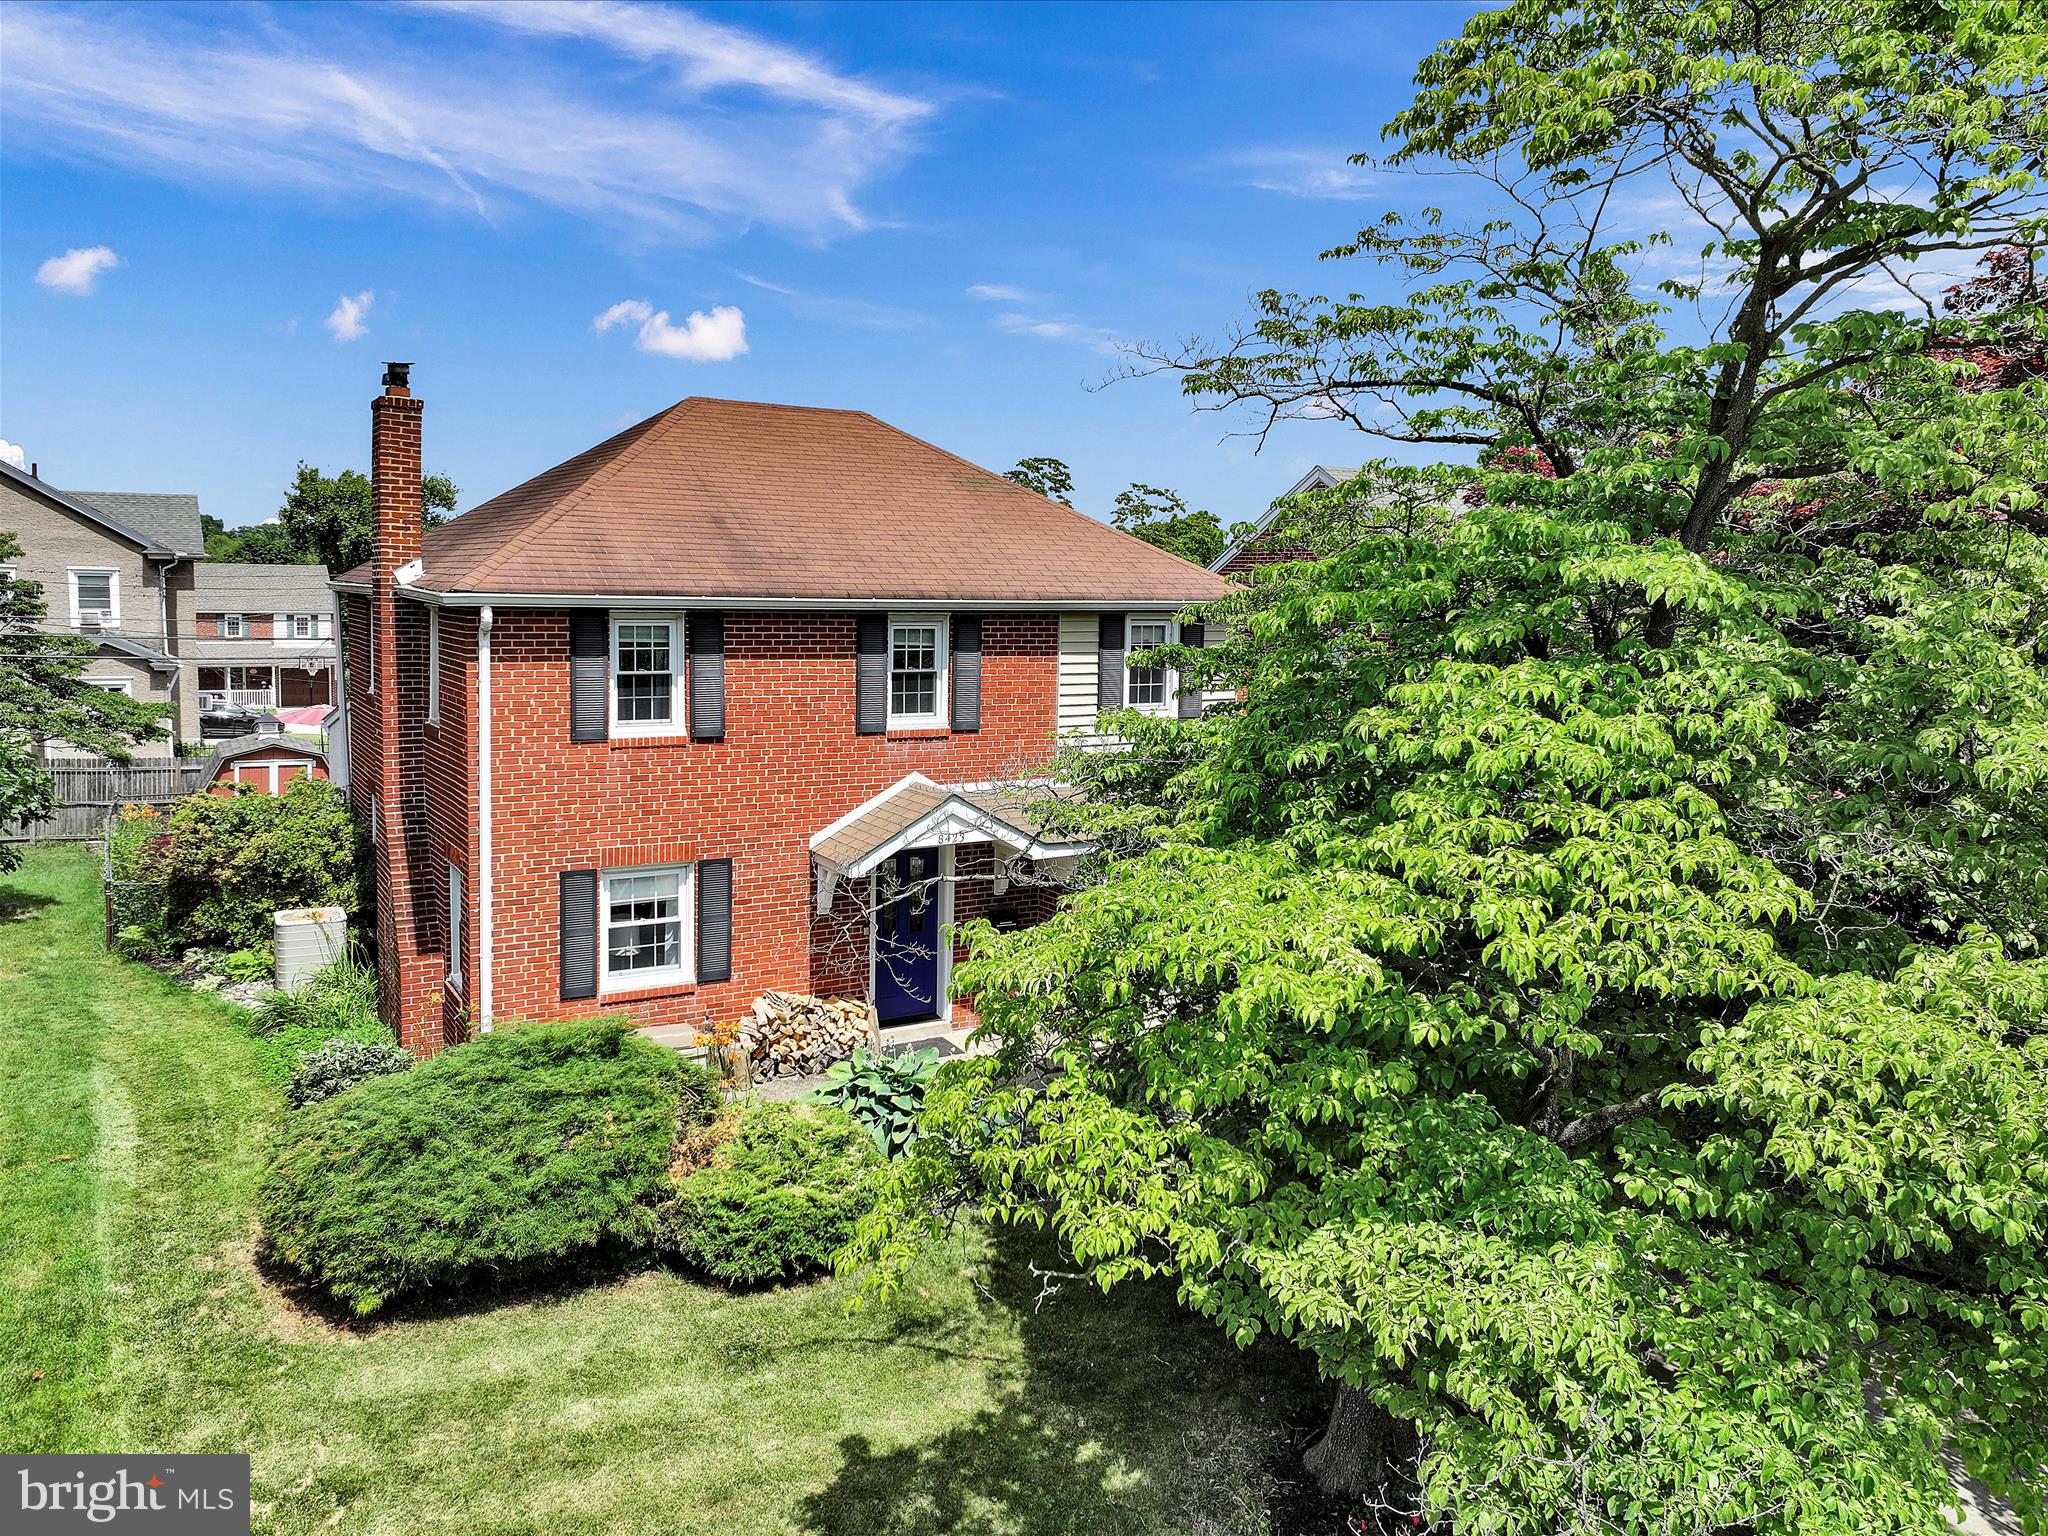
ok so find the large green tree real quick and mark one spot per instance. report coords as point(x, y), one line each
point(324, 520)
point(43, 699)
point(1588, 991)
point(1159, 517)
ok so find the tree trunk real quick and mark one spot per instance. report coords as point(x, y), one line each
point(1356, 1454)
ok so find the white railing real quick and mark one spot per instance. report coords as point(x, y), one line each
point(253, 698)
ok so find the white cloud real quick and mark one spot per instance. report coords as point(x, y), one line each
point(717, 337)
point(863, 314)
point(1073, 332)
point(1000, 293)
point(481, 107)
point(1301, 172)
point(77, 269)
point(347, 320)
point(11, 452)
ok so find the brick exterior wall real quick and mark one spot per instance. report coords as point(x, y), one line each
point(791, 762)
point(1263, 550)
point(389, 748)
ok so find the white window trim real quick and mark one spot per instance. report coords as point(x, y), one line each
point(1168, 706)
point(678, 721)
point(684, 972)
point(939, 718)
point(111, 684)
point(275, 767)
point(294, 620)
point(113, 608)
point(455, 935)
point(233, 626)
point(433, 668)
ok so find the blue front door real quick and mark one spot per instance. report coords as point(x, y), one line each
point(907, 937)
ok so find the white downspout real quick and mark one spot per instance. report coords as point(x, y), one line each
point(334, 740)
point(483, 795)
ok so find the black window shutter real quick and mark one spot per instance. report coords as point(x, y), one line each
point(578, 924)
point(590, 638)
point(967, 673)
point(1109, 663)
point(871, 674)
point(1191, 633)
point(714, 920)
point(707, 676)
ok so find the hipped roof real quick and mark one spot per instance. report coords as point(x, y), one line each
point(735, 499)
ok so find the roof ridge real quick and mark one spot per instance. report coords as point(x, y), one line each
point(654, 426)
point(1057, 506)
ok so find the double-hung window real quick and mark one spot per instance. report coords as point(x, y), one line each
point(647, 676)
point(233, 627)
point(644, 917)
point(303, 626)
point(1149, 688)
point(95, 597)
point(433, 666)
point(917, 671)
point(456, 927)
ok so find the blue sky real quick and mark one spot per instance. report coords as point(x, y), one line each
point(946, 215)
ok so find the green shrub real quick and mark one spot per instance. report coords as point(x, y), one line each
point(779, 1197)
point(883, 1094)
point(232, 860)
point(510, 1156)
point(337, 1064)
point(340, 1003)
point(252, 964)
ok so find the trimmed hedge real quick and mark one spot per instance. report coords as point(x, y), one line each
point(516, 1154)
point(778, 1199)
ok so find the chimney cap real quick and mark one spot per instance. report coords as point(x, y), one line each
point(398, 375)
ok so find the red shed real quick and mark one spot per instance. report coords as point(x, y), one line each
point(268, 762)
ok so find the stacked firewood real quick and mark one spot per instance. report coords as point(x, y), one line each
point(790, 1036)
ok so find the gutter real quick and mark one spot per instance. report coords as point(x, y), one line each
point(487, 940)
point(735, 603)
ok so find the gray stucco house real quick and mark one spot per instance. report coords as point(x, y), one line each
point(117, 566)
point(129, 570)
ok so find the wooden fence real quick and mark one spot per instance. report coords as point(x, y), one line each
point(89, 789)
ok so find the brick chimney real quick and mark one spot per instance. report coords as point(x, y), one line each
point(408, 983)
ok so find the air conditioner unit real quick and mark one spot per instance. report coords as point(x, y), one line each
point(94, 618)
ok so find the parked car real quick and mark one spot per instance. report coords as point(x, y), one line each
point(217, 721)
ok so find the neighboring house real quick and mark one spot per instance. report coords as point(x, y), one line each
point(267, 762)
point(665, 727)
point(1262, 545)
point(263, 635)
point(117, 566)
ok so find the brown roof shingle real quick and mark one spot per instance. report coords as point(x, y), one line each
point(733, 499)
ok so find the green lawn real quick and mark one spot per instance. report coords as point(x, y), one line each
point(132, 1129)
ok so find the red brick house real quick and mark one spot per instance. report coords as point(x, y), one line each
point(663, 728)
point(1263, 544)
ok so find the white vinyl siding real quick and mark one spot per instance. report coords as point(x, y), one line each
point(1079, 635)
point(646, 928)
